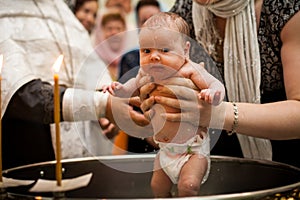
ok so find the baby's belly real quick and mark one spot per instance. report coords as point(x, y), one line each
point(167, 131)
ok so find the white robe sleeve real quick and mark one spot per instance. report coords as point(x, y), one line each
point(80, 105)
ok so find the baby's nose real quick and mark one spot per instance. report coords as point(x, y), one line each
point(155, 56)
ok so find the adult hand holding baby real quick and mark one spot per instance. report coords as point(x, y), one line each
point(126, 118)
point(190, 102)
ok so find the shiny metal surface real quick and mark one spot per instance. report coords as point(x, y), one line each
point(128, 177)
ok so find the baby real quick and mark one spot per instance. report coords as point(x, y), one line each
point(183, 158)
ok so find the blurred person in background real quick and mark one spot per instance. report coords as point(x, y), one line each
point(86, 13)
point(111, 43)
point(124, 7)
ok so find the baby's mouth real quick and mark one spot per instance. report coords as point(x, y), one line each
point(156, 67)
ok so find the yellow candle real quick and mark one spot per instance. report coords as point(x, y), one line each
point(1, 64)
point(56, 67)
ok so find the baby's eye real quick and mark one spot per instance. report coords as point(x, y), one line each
point(146, 50)
point(165, 50)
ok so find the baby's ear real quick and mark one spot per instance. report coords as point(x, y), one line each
point(187, 49)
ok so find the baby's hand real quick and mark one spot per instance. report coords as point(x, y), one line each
point(111, 88)
point(211, 96)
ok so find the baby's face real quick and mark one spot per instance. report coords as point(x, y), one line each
point(162, 52)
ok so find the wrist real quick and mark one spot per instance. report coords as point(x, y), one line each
point(235, 118)
point(108, 110)
point(219, 116)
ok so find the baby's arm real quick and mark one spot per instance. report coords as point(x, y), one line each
point(212, 90)
point(118, 89)
point(111, 88)
point(129, 88)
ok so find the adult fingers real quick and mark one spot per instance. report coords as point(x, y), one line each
point(182, 92)
point(176, 103)
point(111, 131)
point(139, 118)
point(187, 116)
point(135, 101)
point(147, 104)
point(104, 123)
point(146, 90)
point(130, 121)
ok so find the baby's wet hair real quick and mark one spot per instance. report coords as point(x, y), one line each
point(168, 20)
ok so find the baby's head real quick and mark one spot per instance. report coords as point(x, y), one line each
point(171, 23)
point(164, 41)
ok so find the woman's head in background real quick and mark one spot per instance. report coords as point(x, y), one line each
point(86, 13)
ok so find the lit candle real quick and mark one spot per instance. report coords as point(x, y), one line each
point(1, 64)
point(56, 68)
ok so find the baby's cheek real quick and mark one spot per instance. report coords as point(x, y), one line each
point(176, 63)
point(143, 60)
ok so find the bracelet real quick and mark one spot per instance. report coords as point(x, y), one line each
point(236, 119)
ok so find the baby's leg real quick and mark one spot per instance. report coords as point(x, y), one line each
point(191, 176)
point(161, 184)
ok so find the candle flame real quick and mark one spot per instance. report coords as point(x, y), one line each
point(1, 63)
point(57, 64)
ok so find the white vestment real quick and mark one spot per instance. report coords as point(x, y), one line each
point(34, 33)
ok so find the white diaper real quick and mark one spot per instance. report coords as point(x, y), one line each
point(173, 156)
